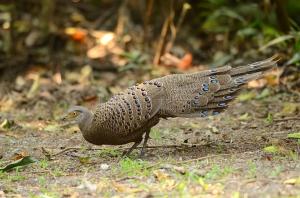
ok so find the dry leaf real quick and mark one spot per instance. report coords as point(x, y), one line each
point(19, 155)
point(186, 62)
point(77, 34)
point(160, 175)
point(169, 184)
point(124, 188)
point(292, 181)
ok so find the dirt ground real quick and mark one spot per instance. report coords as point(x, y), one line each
point(244, 152)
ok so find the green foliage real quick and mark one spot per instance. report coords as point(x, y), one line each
point(19, 163)
point(132, 167)
point(109, 151)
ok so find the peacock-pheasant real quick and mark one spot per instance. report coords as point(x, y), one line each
point(128, 116)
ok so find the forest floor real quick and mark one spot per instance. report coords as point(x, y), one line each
point(244, 152)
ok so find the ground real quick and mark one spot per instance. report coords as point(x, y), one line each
point(244, 152)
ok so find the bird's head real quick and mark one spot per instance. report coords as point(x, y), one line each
point(77, 115)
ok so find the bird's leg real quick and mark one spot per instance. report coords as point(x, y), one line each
point(126, 153)
point(145, 143)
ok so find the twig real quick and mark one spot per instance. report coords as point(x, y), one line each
point(147, 16)
point(286, 119)
point(125, 148)
point(161, 41)
point(201, 158)
point(175, 29)
point(66, 149)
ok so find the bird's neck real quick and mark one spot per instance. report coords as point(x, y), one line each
point(86, 122)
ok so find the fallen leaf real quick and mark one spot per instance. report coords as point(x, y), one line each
point(7, 124)
point(271, 149)
point(244, 117)
point(292, 181)
point(124, 188)
point(19, 155)
point(169, 184)
point(289, 108)
point(77, 34)
point(185, 62)
point(84, 159)
point(180, 169)
point(160, 175)
point(294, 135)
point(22, 162)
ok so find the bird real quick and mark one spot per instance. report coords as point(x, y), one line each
point(128, 117)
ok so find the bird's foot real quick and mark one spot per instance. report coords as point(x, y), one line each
point(127, 153)
point(142, 153)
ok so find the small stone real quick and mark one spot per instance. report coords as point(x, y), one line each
point(104, 166)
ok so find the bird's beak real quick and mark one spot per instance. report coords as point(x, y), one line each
point(66, 120)
point(63, 119)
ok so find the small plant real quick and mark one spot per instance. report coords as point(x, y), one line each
point(42, 181)
point(269, 119)
point(109, 151)
point(57, 172)
point(252, 169)
point(216, 172)
point(43, 164)
point(155, 134)
point(10, 177)
point(275, 172)
point(132, 167)
point(213, 173)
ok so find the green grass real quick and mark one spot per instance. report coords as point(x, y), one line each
point(109, 151)
point(155, 134)
point(133, 167)
point(217, 172)
point(276, 171)
point(44, 164)
point(12, 176)
point(252, 169)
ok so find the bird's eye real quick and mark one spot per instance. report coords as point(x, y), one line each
point(73, 114)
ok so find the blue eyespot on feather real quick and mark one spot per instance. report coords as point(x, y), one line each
point(215, 113)
point(239, 80)
point(205, 87)
point(213, 71)
point(222, 104)
point(214, 81)
point(227, 97)
point(203, 114)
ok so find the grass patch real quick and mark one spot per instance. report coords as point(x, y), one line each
point(252, 169)
point(109, 151)
point(218, 172)
point(12, 177)
point(155, 134)
point(133, 167)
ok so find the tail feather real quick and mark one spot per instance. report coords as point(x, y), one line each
point(209, 92)
point(255, 67)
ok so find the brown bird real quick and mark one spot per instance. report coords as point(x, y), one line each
point(128, 116)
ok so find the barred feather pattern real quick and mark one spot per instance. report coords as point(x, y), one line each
point(128, 115)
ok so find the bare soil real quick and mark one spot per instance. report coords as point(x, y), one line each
point(221, 156)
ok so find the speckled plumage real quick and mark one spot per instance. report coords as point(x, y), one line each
point(127, 116)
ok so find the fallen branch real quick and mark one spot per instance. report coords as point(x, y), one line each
point(201, 158)
point(286, 119)
point(125, 148)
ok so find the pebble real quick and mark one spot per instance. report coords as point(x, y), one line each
point(104, 166)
